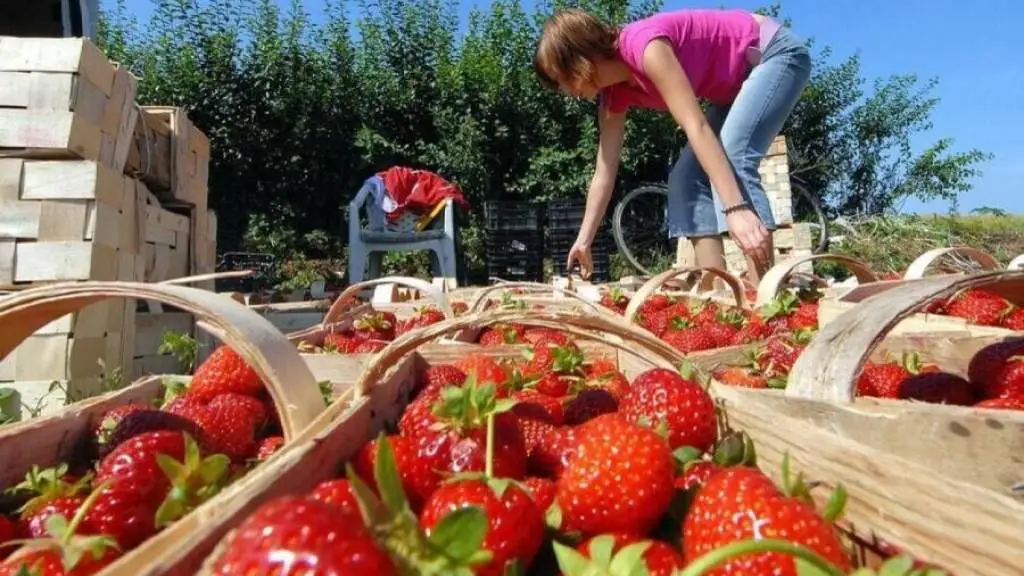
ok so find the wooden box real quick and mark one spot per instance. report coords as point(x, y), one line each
point(62, 98)
point(171, 156)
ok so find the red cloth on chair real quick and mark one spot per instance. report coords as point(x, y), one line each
point(418, 190)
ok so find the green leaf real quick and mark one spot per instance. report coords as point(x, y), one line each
point(805, 568)
point(601, 548)
point(571, 562)
point(389, 483)
point(461, 532)
point(630, 560)
point(836, 504)
point(370, 507)
point(898, 566)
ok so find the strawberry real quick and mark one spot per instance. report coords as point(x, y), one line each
point(8, 531)
point(459, 432)
point(535, 433)
point(338, 493)
point(599, 554)
point(776, 356)
point(484, 369)
point(990, 362)
point(724, 329)
point(426, 316)
point(695, 474)
point(498, 336)
point(938, 388)
point(740, 503)
point(295, 535)
point(419, 417)
point(102, 429)
point(533, 405)
point(342, 342)
point(62, 552)
point(51, 491)
point(658, 322)
point(589, 404)
point(542, 490)
point(419, 463)
point(515, 525)
point(151, 480)
point(886, 379)
point(249, 405)
point(619, 479)
point(34, 523)
point(979, 306)
point(225, 428)
point(614, 382)
point(754, 329)
point(547, 356)
point(1008, 381)
point(740, 376)
point(459, 307)
point(376, 326)
point(370, 346)
point(1006, 403)
point(440, 376)
point(142, 421)
point(535, 335)
point(687, 337)
point(1014, 320)
point(223, 372)
point(660, 396)
point(554, 385)
point(555, 447)
point(615, 299)
point(704, 312)
point(268, 447)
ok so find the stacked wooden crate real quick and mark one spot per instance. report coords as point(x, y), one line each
point(69, 212)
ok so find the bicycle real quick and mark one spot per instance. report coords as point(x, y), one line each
point(648, 248)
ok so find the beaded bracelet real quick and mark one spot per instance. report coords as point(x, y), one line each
point(736, 208)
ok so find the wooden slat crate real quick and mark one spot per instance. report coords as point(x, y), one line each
point(64, 437)
point(171, 155)
point(886, 491)
point(62, 98)
point(69, 220)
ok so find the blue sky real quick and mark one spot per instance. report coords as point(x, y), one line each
point(968, 47)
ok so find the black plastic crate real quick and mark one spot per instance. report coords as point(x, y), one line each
point(508, 215)
point(566, 214)
point(560, 241)
point(262, 265)
point(515, 255)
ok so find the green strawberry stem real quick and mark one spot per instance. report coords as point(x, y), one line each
point(489, 453)
point(712, 559)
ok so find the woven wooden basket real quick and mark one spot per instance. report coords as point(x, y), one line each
point(45, 442)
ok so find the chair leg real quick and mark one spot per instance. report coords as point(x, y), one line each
point(356, 264)
point(376, 264)
point(448, 262)
point(436, 262)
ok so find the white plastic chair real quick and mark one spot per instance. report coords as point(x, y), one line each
point(367, 244)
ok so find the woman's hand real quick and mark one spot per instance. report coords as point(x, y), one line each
point(747, 231)
point(580, 253)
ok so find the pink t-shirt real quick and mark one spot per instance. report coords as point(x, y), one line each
point(711, 46)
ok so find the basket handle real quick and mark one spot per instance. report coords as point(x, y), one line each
point(709, 274)
point(774, 278)
point(828, 368)
point(339, 306)
point(591, 326)
point(921, 264)
point(211, 276)
point(291, 384)
point(480, 299)
point(1017, 263)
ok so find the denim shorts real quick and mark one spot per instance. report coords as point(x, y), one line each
point(746, 129)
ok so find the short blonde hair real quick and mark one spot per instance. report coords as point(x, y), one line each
point(570, 42)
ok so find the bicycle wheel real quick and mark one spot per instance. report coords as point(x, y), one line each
point(819, 221)
point(640, 229)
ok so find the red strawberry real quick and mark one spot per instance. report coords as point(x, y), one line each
point(111, 418)
point(225, 429)
point(301, 535)
point(142, 421)
point(459, 307)
point(376, 326)
point(695, 474)
point(938, 388)
point(979, 306)
point(724, 329)
point(535, 434)
point(740, 376)
point(542, 490)
point(1014, 320)
point(515, 526)
point(660, 321)
point(484, 369)
point(553, 384)
point(370, 346)
point(1008, 381)
point(661, 396)
point(268, 446)
point(249, 405)
point(619, 479)
point(1007, 403)
point(426, 316)
point(498, 336)
point(51, 491)
point(754, 330)
point(533, 405)
point(223, 372)
point(546, 356)
point(420, 466)
point(614, 382)
point(589, 404)
point(34, 523)
point(338, 493)
point(553, 451)
point(657, 558)
point(615, 299)
point(741, 503)
point(537, 335)
point(8, 532)
point(54, 560)
point(419, 414)
point(988, 363)
point(342, 342)
point(705, 312)
point(688, 337)
point(886, 379)
point(441, 376)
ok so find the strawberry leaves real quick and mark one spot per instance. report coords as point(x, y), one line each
point(193, 481)
point(629, 561)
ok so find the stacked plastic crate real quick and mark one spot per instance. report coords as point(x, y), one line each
point(564, 220)
point(515, 240)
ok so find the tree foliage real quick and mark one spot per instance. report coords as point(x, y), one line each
point(301, 112)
